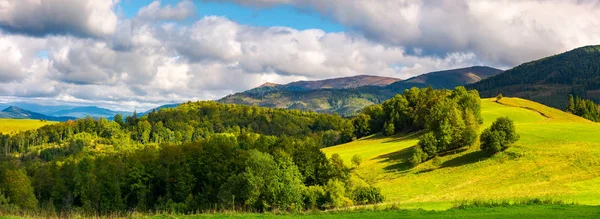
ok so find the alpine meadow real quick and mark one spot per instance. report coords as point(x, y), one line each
point(299, 109)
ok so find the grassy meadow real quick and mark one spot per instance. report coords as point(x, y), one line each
point(557, 157)
point(8, 126)
point(519, 211)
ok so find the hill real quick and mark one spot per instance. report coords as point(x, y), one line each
point(341, 83)
point(18, 113)
point(556, 157)
point(8, 126)
point(447, 79)
point(93, 111)
point(550, 80)
point(348, 100)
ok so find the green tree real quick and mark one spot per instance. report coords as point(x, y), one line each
point(499, 136)
point(389, 129)
point(119, 119)
point(362, 126)
point(17, 187)
point(356, 160)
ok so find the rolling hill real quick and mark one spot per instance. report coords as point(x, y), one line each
point(347, 97)
point(557, 157)
point(18, 113)
point(550, 80)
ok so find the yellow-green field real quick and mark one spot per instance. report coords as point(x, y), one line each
point(557, 157)
point(9, 126)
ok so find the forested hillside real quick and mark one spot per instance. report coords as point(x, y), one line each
point(197, 156)
point(550, 80)
point(349, 101)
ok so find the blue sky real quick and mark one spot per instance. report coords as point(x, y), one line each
point(280, 15)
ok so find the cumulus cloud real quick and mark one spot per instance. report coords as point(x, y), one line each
point(47, 17)
point(144, 61)
point(500, 32)
point(154, 11)
point(147, 63)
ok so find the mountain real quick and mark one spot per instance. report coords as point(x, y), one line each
point(447, 79)
point(173, 105)
point(550, 80)
point(341, 83)
point(18, 113)
point(347, 95)
point(332, 83)
point(39, 108)
point(93, 111)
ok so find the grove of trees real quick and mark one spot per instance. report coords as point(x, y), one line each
point(449, 119)
point(196, 157)
point(584, 108)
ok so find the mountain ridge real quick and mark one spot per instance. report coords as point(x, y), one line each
point(14, 112)
point(550, 80)
point(347, 101)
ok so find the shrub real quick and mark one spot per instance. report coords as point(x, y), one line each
point(314, 197)
point(418, 156)
point(367, 195)
point(335, 194)
point(499, 136)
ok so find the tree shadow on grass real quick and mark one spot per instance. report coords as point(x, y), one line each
point(404, 136)
point(398, 160)
point(469, 158)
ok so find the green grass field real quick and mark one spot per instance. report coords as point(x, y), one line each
point(500, 212)
point(558, 157)
point(8, 126)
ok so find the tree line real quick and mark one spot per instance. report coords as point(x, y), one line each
point(196, 157)
point(584, 108)
point(448, 120)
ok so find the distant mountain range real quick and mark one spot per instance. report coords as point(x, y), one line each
point(346, 96)
point(63, 113)
point(18, 113)
point(93, 111)
point(173, 105)
point(550, 80)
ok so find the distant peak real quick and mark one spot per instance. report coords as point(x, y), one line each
point(12, 109)
point(268, 84)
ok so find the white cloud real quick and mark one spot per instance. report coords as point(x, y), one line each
point(143, 61)
point(46, 17)
point(154, 11)
point(500, 32)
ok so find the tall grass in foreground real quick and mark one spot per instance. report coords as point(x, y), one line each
point(335, 213)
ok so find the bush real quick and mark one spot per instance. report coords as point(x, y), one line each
point(367, 195)
point(335, 194)
point(314, 197)
point(499, 136)
point(418, 156)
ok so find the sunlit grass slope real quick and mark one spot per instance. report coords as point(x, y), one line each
point(9, 126)
point(558, 156)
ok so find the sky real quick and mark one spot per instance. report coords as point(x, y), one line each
point(138, 54)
